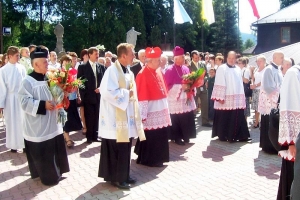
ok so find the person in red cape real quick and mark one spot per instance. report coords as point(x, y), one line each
point(182, 114)
point(152, 96)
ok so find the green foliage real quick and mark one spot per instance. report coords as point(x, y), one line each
point(248, 43)
point(285, 3)
point(92, 22)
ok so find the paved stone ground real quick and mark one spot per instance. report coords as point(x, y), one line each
point(205, 169)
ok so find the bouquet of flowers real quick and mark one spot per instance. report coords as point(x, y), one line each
point(191, 81)
point(61, 83)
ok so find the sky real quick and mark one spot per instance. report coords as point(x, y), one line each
point(264, 7)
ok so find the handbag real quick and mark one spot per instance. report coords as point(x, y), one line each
point(247, 89)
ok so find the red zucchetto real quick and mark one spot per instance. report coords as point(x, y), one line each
point(153, 52)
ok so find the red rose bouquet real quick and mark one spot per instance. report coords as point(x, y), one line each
point(191, 81)
point(61, 83)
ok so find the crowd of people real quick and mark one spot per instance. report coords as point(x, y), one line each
point(126, 97)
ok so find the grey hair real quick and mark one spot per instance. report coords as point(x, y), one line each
point(261, 56)
point(141, 51)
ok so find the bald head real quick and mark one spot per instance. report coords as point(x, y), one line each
point(287, 63)
point(231, 58)
point(278, 57)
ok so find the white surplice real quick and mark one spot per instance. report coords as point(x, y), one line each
point(11, 76)
point(113, 96)
point(289, 123)
point(270, 87)
point(228, 87)
point(37, 128)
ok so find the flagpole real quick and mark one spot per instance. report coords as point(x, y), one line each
point(238, 29)
point(174, 35)
point(202, 37)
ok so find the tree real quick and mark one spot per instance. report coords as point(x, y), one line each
point(223, 35)
point(248, 43)
point(285, 3)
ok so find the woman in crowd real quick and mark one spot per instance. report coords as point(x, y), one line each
point(73, 120)
point(219, 60)
point(84, 58)
point(256, 82)
point(242, 63)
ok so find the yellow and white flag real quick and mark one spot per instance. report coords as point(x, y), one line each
point(207, 12)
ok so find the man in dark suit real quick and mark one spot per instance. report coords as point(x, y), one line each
point(90, 95)
point(137, 67)
point(201, 91)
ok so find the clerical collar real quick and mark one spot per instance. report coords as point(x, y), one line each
point(38, 76)
point(230, 66)
point(274, 65)
point(125, 70)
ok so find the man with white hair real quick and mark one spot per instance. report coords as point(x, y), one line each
point(163, 63)
point(44, 141)
point(287, 63)
point(268, 99)
point(182, 115)
point(152, 96)
point(137, 67)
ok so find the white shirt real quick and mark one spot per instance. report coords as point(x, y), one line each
point(258, 77)
point(55, 65)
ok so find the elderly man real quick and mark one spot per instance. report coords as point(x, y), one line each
point(11, 76)
point(268, 99)
point(153, 102)
point(53, 64)
point(288, 133)
point(137, 67)
point(164, 63)
point(228, 93)
point(182, 115)
point(287, 63)
point(119, 119)
point(44, 141)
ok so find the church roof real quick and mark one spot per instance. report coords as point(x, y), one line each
point(249, 51)
point(287, 14)
point(290, 51)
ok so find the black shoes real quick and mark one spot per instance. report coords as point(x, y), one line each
point(131, 181)
point(89, 141)
point(93, 140)
point(13, 150)
point(207, 125)
point(179, 142)
point(157, 165)
point(123, 185)
point(97, 140)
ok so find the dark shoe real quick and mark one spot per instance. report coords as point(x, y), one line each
point(245, 140)
point(13, 150)
point(123, 185)
point(207, 125)
point(97, 140)
point(256, 126)
point(89, 141)
point(24, 150)
point(187, 141)
point(179, 142)
point(131, 181)
point(157, 165)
